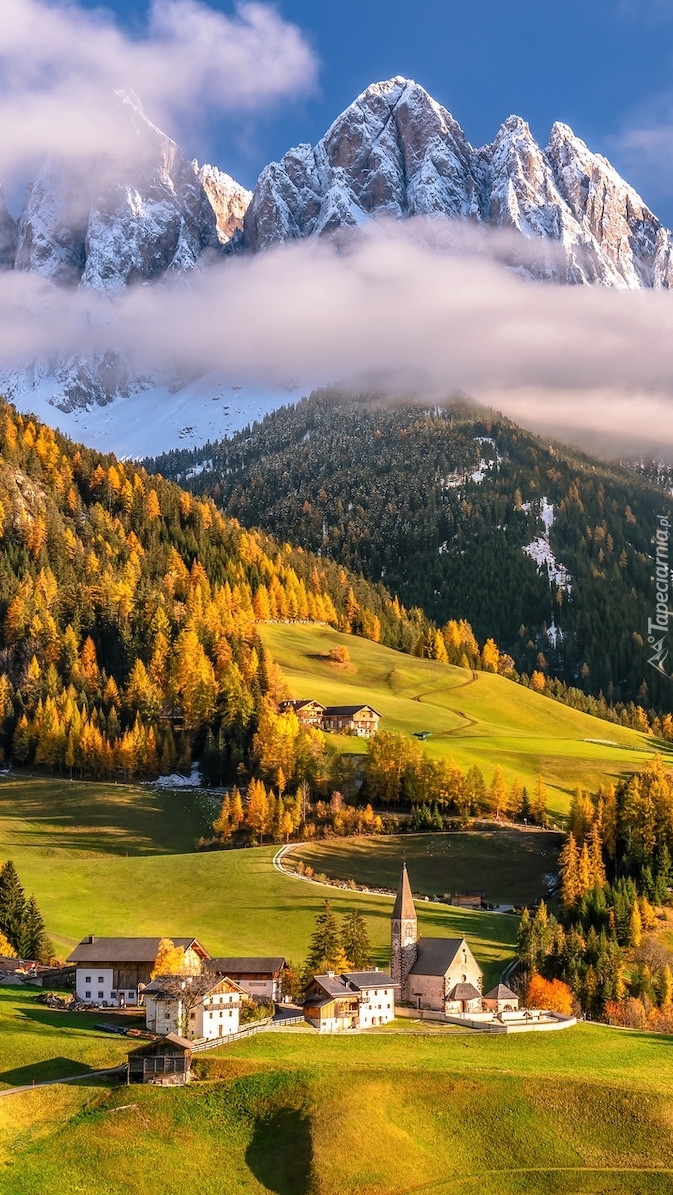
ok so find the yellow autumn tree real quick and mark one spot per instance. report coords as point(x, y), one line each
point(170, 959)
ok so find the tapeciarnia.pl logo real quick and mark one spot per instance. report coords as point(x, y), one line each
point(657, 627)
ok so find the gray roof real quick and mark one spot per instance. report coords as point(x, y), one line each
point(464, 991)
point(175, 1040)
point(253, 965)
point(369, 979)
point(353, 982)
point(435, 955)
point(300, 705)
point(501, 992)
point(348, 710)
point(125, 950)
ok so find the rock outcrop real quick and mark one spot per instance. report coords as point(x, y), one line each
point(228, 199)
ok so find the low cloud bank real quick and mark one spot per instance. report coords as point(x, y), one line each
point(61, 63)
point(415, 309)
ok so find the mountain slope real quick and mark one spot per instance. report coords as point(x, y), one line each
point(466, 515)
point(396, 152)
point(128, 613)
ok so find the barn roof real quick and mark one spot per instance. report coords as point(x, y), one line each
point(255, 965)
point(435, 955)
point(347, 710)
point(126, 950)
point(171, 1039)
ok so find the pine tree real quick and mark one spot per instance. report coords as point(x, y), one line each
point(35, 943)
point(569, 861)
point(539, 802)
point(12, 906)
point(355, 941)
point(595, 848)
point(635, 926)
point(326, 952)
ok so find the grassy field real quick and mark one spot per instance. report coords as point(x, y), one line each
point(89, 853)
point(508, 866)
point(582, 1112)
point(487, 720)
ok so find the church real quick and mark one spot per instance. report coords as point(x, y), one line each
point(436, 974)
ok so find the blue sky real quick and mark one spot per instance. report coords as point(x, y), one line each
point(603, 66)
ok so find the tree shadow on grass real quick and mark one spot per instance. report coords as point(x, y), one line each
point(280, 1154)
point(42, 1072)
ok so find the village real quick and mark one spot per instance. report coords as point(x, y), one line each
point(192, 1001)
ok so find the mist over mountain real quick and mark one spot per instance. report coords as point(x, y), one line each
point(106, 226)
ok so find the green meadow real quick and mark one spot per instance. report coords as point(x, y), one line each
point(586, 1111)
point(475, 718)
point(508, 866)
point(109, 859)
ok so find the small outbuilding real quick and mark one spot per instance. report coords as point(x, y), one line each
point(166, 1061)
point(463, 997)
point(501, 999)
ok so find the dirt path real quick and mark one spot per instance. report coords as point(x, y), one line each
point(109, 1071)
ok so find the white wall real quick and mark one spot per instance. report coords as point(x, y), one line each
point(379, 1009)
point(93, 985)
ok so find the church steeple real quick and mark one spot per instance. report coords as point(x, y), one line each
point(403, 933)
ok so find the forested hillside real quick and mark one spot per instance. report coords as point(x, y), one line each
point(128, 614)
point(440, 504)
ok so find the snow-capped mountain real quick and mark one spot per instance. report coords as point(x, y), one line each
point(397, 152)
point(394, 152)
point(106, 224)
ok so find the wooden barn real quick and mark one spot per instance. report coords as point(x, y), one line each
point(166, 1061)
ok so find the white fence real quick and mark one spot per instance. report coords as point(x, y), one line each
point(266, 1026)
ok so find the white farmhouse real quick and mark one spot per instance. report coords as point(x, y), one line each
point(109, 970)
point(193, 1006)
point(355, 1000)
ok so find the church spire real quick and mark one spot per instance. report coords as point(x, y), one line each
point(403, 935)
point(403, 909)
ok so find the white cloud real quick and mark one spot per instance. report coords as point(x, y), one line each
point(60, 64)
point(390, 311)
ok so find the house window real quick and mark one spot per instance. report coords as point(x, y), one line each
point(100, 995)
point(87, 995)
point(101, 979)
point(87, 979)
point(113, 994)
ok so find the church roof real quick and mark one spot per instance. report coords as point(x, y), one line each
point(464, 991)
point(435, 955)
point(403, 909)
point(501, 992)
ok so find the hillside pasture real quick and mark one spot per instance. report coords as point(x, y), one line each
point(475, 718)
point(88, 853)
point(508, 866)
point(584, 1112)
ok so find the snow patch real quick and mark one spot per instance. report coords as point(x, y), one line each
point(153, 419)
point(541, 552)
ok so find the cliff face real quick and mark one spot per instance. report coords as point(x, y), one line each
point(228, 199)
point(397, 152)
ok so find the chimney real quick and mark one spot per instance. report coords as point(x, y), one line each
point(330, 975)
point(90, 941)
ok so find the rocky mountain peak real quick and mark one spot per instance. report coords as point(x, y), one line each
point(396, 152)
